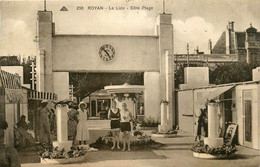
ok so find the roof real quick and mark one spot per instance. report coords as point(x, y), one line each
point(10, 81)
point(220, 46)
point(222, 85)
point(251, 29)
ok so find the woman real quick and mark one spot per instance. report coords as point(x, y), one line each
point(82, 129)
point(125, 126)
point(45, 123)
point(199, 125)
point(8, 155)
point(72, 122)
point(114, 116)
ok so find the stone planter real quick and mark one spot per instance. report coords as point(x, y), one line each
point(63, 161)
point(209, 156)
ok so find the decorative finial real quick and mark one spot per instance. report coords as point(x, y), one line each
point(251, 25)
point(44, 5)
point(163, 6)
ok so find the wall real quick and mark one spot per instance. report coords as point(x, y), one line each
point(61, 85)
point(256, 74)
point(185, 108)
point(80, 53)
point(255, 113)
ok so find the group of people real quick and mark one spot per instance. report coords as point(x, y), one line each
point(120, 121)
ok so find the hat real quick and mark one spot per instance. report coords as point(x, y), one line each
point(44, 101)
point(82, 103)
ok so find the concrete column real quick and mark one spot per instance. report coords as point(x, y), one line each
point(40, 71)
point(62, 129)
point(151, 94)
point(45, 33)
point(164, 30)
point(213, 140)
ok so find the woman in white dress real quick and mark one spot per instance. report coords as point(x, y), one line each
point(82, 128)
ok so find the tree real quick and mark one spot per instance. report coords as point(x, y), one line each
point(87, 83)
point(231, 72)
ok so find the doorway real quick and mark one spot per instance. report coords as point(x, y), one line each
point(247, 117)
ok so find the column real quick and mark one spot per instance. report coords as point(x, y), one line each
point(62, 128)
point(40, 71)
point(152, 94)
point(213, 139)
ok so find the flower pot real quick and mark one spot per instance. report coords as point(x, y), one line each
point(63, 161)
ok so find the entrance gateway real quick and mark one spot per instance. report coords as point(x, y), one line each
point(60, 54)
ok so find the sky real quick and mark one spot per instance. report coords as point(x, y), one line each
point(194, 21)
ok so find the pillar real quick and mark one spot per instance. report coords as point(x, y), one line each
point(45, 33)
point(152, 94)
point(165, 32)
point(40, 71)
point(62, 128)
point(213, 139)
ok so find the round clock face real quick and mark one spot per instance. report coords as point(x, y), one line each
point(106, 52)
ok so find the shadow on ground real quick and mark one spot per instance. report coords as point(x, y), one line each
point(119, 155)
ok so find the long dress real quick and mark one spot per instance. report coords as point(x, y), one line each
point(72, 123)
point(44, 126)
point(82, 127)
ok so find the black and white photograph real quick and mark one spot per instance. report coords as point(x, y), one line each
point(131, 83)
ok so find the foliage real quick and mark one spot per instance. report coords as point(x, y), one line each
point(55, 153)
point(87, 83)
point(225, 149)
point(231, 72)
point(140, 140)
point(149, 122)
point(222, 73)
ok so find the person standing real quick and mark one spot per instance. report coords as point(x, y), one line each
point(200, 124)
point(114, 116)
point(44, 123)
point(8, 155)
point(82, 127)
point(52, 118)
point(125, 126)
point(72, 122)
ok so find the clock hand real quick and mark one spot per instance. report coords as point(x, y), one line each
point(106, 53)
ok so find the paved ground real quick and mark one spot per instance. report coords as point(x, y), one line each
point(175, 152)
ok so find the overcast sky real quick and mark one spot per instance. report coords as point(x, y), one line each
point(194, 21)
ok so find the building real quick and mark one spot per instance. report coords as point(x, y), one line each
point(246, 45)
point(61, 54)
point(237, 102)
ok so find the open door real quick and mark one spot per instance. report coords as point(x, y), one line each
point(247, 118)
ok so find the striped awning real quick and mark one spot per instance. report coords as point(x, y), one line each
point(35, 95)
point(10, 81)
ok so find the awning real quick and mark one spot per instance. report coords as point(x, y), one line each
point(35, 95)
point(14, 95)
point(220, 90)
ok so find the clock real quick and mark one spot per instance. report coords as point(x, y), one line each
point(107, 52)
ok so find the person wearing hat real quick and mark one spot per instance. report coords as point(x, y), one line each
point(44, 123)
point(82, 128)
point(8, 155)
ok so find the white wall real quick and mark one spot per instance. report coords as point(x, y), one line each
point(195, 77)
point(185, 111)
point(61, 85)
point(255, 113)
point(133, 53)
point(256, 74)
point(152, 94)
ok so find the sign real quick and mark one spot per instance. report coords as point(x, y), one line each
point(230, 133)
